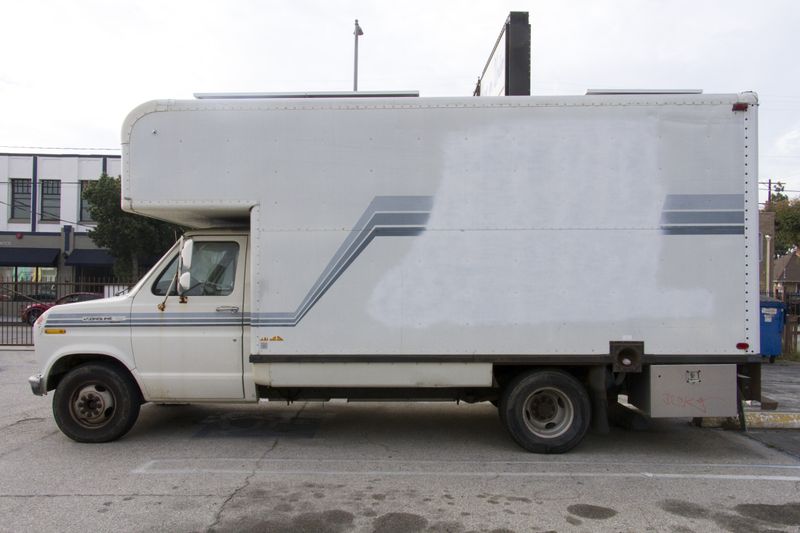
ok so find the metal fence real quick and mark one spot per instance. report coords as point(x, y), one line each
point(790, 333)
point(21, 302)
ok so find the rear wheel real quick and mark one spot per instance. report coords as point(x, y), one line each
point(546, 411)
point(96, 402)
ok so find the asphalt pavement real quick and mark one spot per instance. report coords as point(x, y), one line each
point(778, 428)
point(781, 382)
point(386, 467)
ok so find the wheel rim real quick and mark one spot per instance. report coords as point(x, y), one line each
point(548, 412)
point(92, 405)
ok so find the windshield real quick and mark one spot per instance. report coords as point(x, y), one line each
point(169, 256)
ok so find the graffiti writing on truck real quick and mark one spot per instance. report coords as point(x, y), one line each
point(684, 402)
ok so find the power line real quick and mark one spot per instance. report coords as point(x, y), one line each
point(39, 214)
point(786, 190)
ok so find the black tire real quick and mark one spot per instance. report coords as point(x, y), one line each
point(33, 314)
point(96, 402)
point(546, 411)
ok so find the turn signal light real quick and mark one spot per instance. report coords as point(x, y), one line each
point(53, 331)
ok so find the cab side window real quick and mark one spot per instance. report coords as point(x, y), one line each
point(213, 271)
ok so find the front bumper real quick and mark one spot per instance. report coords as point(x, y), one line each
point(37, 385)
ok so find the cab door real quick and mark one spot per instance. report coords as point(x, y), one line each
point(192, 349)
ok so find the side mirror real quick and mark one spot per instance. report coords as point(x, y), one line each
point(184, 282)
point(186, 254)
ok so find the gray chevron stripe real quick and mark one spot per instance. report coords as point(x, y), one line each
point(385, 216)
point(703, 214)
point(94, 320)
point(702, 217)
point(703, 230)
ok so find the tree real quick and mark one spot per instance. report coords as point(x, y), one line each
point(129, 238)
point(777, 193)
point(787, 223)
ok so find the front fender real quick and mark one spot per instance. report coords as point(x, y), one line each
point(70, 334)
point(78, 353)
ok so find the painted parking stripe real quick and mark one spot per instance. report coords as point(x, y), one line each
point(277, 467)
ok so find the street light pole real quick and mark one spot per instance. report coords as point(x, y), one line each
point(767, 264)
point(357, 32)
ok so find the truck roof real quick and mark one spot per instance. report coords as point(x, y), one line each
point(200, 162)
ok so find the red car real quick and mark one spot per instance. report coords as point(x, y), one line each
point(34, 311)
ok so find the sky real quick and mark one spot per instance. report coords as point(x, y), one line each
point(71, 70)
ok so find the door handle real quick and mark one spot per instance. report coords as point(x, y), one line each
point(227, 309)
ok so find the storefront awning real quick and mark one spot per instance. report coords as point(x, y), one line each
point(28, 257)
point(89, 258)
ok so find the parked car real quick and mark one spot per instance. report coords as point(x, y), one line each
point(34, 311)
point(46, 296)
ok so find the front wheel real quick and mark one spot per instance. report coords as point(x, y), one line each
point(96, 402)
point(546, 411)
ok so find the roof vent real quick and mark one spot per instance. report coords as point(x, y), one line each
point(334, 94)
point(643, 91)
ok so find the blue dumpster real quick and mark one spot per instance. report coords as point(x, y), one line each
point(772, 319)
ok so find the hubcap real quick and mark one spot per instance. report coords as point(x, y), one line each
point(548, 412)
point(92, 405)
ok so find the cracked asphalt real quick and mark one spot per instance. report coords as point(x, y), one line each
point(393, 467)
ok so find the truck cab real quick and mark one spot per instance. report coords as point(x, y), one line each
point(169, 344)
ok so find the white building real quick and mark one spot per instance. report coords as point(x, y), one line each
point(44, 221)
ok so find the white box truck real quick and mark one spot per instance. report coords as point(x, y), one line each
point(542, 253)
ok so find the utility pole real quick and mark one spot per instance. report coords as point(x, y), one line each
point(769, 192)
point(357, 32)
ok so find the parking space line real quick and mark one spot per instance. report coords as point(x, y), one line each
point(389, 473)
point(397, 468)
point(474, 462)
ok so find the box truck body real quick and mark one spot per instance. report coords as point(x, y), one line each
point(439, 248)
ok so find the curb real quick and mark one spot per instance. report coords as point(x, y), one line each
point(756, 420)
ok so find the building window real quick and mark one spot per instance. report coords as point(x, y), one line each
point(86, 216)
point(51, 200)
point(26, 274)
point(20, 199)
